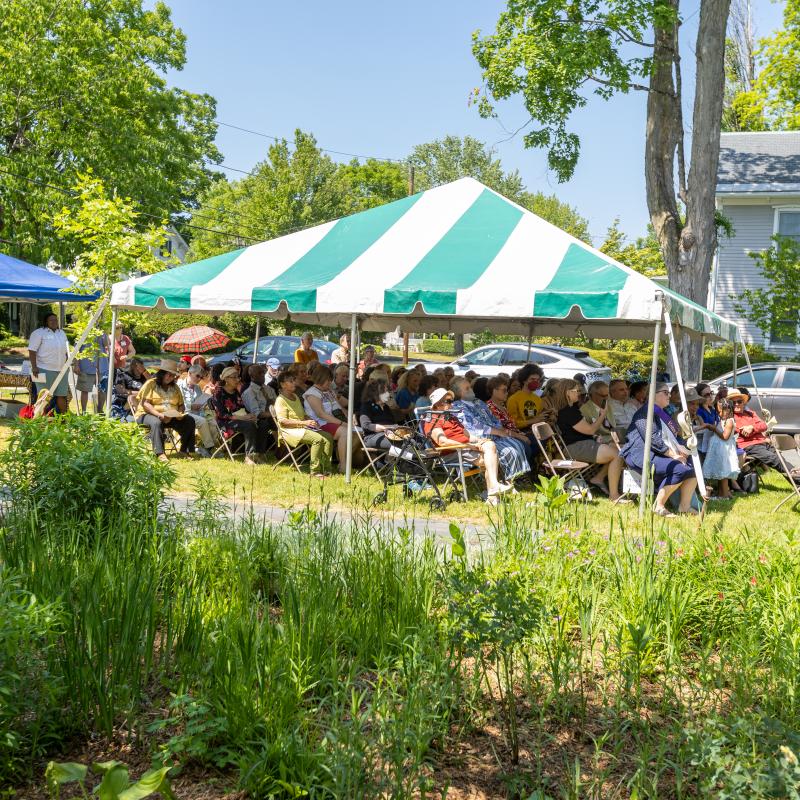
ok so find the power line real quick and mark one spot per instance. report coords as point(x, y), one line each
point(72, 193)
point(322, 149)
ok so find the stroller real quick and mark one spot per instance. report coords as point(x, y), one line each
point(414, 462)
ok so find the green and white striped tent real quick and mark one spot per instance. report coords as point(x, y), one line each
point(457, 258)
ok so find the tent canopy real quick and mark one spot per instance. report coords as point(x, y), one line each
point(22, 281)
point(457, 258)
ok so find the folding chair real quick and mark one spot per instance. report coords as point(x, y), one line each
point(568, 468)
point(232, 444)
point(298, 454)
point(788, 450)
point(375, 455)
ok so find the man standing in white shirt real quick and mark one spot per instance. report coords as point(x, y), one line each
point(48, 350)
point(195, 401)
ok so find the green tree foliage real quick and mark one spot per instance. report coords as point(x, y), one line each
point(451, 158)
point(562, 215)
point(83, 86)
point(109, 238)
point(643, 254)
point(773, 308)
point(293, 188)
point(374, 182)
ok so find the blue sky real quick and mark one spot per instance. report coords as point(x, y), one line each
point(376, 78)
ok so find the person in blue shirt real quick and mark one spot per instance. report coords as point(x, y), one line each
point(407, 391)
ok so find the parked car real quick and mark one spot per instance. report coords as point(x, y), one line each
point(778, 384)
point(280, 347)
point(557, 362)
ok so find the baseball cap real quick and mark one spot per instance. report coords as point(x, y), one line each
point(274, 363)
point(437, 395)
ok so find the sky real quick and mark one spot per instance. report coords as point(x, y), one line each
point(376, 78)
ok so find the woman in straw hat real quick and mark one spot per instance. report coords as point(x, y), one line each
point(160, 405)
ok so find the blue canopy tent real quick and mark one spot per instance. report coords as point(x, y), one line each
point(20, 281)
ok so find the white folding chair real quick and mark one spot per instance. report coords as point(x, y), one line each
point(298, 454)
point(373, 454)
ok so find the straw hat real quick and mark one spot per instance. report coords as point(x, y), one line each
point(692, 396)
point(735, 394)
point(229, 372)
point(168, 365)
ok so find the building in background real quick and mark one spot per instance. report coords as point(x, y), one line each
point(758, 190)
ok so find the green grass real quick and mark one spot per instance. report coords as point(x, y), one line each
point(575, 652)
point(285, 487)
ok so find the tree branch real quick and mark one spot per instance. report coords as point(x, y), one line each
point(676, 56)
point(640, 87)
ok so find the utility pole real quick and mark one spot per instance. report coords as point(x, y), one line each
point(410, 192)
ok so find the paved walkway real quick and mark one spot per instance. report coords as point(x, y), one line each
point(277, 515)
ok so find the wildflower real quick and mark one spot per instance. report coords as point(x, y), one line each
point(593, 552)
point(547, 548)
point(753, 581)
point(571, 554)
point(679, 552)
point(722, 559)
point(706, 553)
point(789, 755)
point(661, 543)
point(763, 560)
point(720, 596)
point(638, 559)
point(720, 548)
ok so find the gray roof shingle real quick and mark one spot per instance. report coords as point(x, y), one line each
point(759, 162)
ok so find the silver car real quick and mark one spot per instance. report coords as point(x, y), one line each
point(779, 387)
point(557, 362)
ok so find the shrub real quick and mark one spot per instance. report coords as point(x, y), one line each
point(81, 468)
point(444, 346)
point(146, 343)
point(30, 695)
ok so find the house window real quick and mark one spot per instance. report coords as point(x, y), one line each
point(789, 224)
point(781, 332)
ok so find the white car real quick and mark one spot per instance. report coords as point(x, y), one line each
point(557, 362)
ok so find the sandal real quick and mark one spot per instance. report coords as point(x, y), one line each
point(622, 501)
point(601, 487)
point(660, 511)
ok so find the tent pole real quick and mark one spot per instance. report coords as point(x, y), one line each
point(110, 386)
point(648, 433)
point(702, 355)
point(258, 332)
point(351, 398)
point(735, 361)
point(752, 376)
point(530, 336)
point(698, 470)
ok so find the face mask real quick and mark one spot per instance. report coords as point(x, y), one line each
point(534, 384)
point(468, 395)
point(385, 397)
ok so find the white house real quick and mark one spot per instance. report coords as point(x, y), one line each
point(758, 190)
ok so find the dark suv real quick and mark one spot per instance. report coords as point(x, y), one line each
point(280, 347)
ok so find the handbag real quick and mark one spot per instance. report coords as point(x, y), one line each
point(749, 482)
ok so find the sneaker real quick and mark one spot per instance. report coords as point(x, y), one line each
point(502, 488)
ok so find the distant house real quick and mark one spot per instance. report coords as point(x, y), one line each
point(758, 190)
point(174, 247)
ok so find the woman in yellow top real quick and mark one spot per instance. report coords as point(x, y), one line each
point(525, 406)
point(160, 405)
point(305, 354)
point(297, 428)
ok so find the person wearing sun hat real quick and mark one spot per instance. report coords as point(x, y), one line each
point(752, 434)
point(444, 430)
point(160, 405)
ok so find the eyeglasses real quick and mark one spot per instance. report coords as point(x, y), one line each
point(663, 391)
point(706, 394)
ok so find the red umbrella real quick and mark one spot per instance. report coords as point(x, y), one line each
point(197, 339)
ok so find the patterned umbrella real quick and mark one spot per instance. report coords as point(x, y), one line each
point(197, 339)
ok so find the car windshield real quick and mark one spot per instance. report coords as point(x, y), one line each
point(587, 360)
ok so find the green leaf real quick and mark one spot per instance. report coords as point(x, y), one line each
point(66, 772)
point(458, 546)
point(150, 783)
point(114, 781)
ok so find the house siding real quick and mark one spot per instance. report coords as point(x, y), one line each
point(737, 271)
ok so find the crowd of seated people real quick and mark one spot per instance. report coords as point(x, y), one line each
point(602, 424)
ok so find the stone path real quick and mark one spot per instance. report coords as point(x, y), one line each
point(277, 515)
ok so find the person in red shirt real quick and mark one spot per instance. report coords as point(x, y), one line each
point(445, 430)
point(751, 434)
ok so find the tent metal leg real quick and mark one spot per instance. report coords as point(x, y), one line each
point(698, 470)
point(258, 334)
point(752, 376)
point(110, 386)
point(648, 433)
point(351, 398)
point(735, 361)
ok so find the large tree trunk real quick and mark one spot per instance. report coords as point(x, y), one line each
point(688, 249)
point(28, 319)
point(698, 241)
